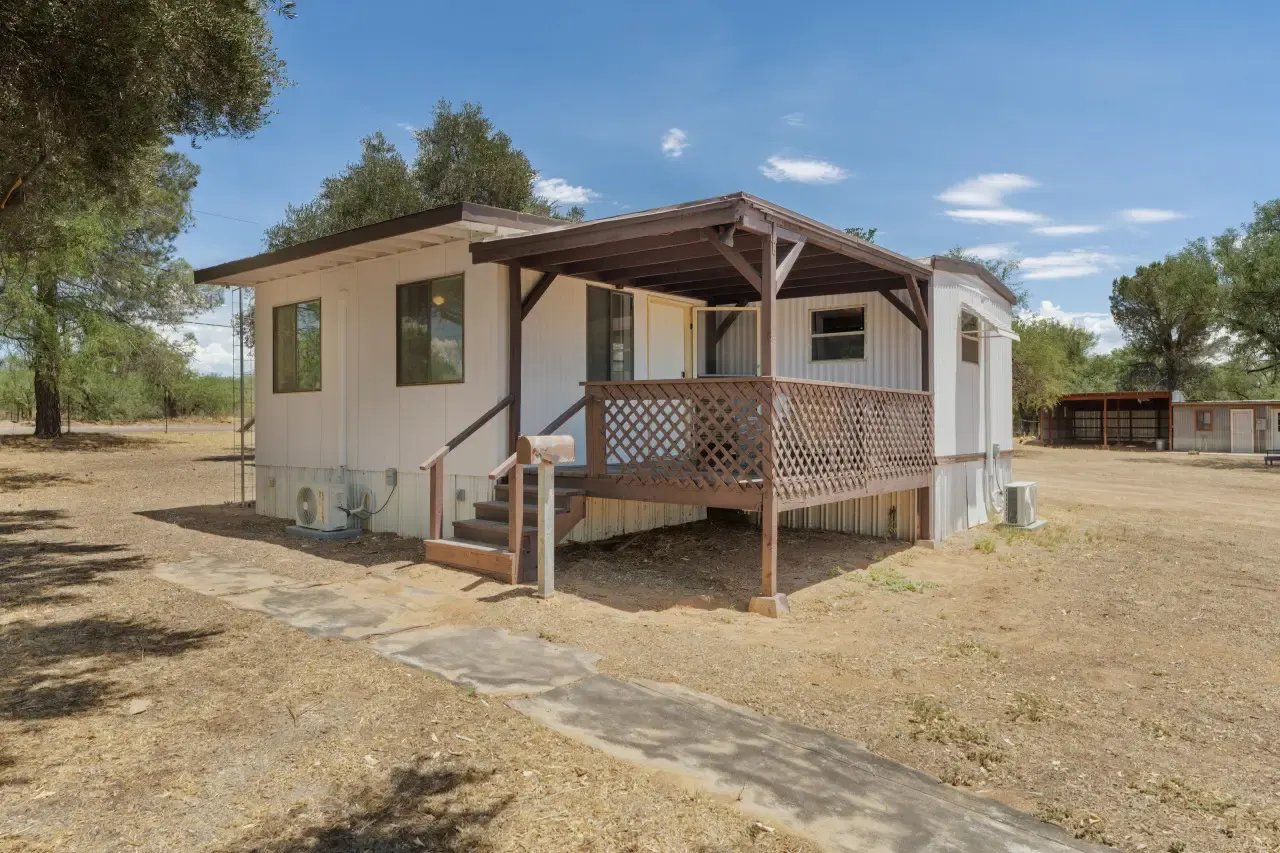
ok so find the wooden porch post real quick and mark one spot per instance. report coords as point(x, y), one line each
point(514, 344)
point(1104, 423)
point(920, 303)
point(769, 602)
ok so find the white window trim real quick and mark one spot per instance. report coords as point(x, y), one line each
point(810, 334)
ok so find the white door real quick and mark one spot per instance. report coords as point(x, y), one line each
point(668, 339)
point(1242, 430)
point(1273, 434)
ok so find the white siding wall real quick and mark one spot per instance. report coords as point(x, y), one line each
point(892, 349)
point(398, 427)
point(392, 427)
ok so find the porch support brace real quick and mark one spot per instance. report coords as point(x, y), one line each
point(515, 343)
point(769, 602)
point(734, 257)
point(924, 496)
point(901, 306)
point(539, 290)
point(784, 268)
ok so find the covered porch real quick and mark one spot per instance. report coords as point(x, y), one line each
point(763, 442)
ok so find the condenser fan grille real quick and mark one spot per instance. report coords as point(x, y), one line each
point(308, 506)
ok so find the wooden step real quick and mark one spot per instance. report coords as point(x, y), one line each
point(489, 531)
point(480, 557)
point(501, 511)
point(563, 495)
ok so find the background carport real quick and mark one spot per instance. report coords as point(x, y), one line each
point(1110, 417)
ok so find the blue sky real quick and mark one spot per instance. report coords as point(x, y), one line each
point(1085, 138)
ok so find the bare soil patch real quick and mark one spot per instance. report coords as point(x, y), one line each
point(137, 715)
point(1116, 673)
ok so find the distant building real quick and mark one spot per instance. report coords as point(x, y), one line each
point(1227, 426)
point(1112, 418)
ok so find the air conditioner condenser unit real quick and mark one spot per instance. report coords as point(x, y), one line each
point(320, 506)
point(1020, 506)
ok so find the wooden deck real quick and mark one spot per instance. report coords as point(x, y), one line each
point(742, 442)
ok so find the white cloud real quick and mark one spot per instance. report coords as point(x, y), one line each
point(406, 127)
point(560, 191)
point(986, 190)
point(1101, 324)
point(1073, 263)
point(1066, 230)
point(991, 251)
point(674, 142)
point(794, 119)
point(211, 350)
point(997, 216)
point(802, 171)
point(1147, 215)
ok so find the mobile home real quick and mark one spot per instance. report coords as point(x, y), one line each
point(720, 353)
point(1227, 426)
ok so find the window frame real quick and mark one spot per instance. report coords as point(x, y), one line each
point(1208, 427)
point(976, 341)
point(812, 334)
point(275, 347)
point(611, 292)
point(462, 375)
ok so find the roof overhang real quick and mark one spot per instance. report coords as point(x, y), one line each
point(956, 265)
point(462, 221)
point(673, 250)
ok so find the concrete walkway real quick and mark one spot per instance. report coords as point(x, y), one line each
point(830, 788)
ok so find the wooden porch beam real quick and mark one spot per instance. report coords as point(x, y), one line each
point(784, 268)
point(536, 293)
point(608, 251)
point(735, 259)
point(825, 275)
point(893, 300)
point(515, 340)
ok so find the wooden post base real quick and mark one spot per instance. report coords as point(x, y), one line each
point(773, 606)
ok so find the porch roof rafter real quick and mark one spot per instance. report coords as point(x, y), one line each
point(712, 250)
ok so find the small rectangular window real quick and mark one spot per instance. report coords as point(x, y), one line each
point(838, 334)
point(610, 335)
point(970, 338)
point(1204, 420)
point(429, 327)
point(295, 347)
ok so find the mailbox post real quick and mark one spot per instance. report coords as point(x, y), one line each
point(545, 451)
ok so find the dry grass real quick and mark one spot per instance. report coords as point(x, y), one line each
point(1114, 672)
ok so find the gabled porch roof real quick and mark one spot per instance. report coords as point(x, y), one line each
point(710, 250)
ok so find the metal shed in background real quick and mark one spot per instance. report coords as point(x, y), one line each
point(1112, 418)
point(1227, 426)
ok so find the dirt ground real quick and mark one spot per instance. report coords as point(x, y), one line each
point(1117, 672)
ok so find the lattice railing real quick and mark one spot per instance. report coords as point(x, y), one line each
point(805, 439)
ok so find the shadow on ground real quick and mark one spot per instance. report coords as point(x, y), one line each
point(41, 572)
point(709, 565)
point(61, 669)
point(1220, 462)
point(17, 480)
point(75, 441)
point(422, 808)
point(236, 522)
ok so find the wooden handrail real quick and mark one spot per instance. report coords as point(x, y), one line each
point(467, 433)
point(506, 464)
point(434, 466)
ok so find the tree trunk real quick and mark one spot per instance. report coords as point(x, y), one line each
point(47, 363)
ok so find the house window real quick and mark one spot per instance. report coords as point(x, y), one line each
point(610, 335)
point(429, 321)
point(1204, 420)
point(295, 347)
point(838, 334)
point(970, 338)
